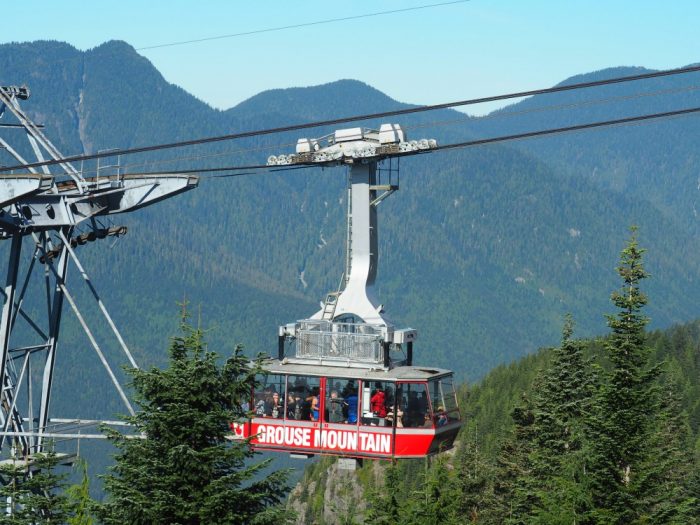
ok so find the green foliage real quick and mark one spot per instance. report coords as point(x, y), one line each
point(435, 501)
point(513, 489)
point(626, 406)
point(473, 482)
point(33, 490)
point(563, 496)
point(384, 508)
point(670, 466)
point(184, 470)
point(562, 395)
point(553, 460)
point(79, 497)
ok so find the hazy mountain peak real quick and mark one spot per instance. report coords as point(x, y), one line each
point(342, 97)
point(603, 74)
point(113, 46)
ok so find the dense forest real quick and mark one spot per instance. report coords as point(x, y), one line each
point(595, 431)
point(603, 431)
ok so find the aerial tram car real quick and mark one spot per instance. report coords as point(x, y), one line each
point(343, 381)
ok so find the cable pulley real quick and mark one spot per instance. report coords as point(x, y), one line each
point(84, 238)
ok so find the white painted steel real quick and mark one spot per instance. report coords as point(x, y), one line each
point(42, 205)
point(355, 303)
point(352, 144)
point(358, 298)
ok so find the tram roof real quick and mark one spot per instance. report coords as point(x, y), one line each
point(400, 373)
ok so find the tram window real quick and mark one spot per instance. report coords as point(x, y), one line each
point(450, 398)
point(342, 401)
point(444, 399)
point(303, 398)
point(413, 402)
point(377, 402)
point(268, 398)
point(336, 406)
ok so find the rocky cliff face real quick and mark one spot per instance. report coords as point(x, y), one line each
point(328, 494)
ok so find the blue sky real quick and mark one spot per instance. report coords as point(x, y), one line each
point(440, 54)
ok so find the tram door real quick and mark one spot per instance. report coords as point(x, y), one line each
point(303, 409)
point(340, 423)
point(376, 418)
point(417, 428)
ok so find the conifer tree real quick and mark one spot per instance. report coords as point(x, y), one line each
point(563, 496)
point(671, 467)
point(513, 493)
point(384, 507)
point(562, 401)
point(622, 420)
point(79, 498)
point(184, 470)
point(33, 491)
point(473, 481)
point(434, 503)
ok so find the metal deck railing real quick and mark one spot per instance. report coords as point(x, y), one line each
point(346, 342)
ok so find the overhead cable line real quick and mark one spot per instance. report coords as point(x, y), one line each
point(435, 123)
point(252, 169)
point(422, 125)
point(296, 26)
point(556, 107)
point(567, 129)
point(342, 120)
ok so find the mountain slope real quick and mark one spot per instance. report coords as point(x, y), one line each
point(482, 250)
point(652, 161)
point(487, 409)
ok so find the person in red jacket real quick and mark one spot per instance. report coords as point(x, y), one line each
point(377, 401)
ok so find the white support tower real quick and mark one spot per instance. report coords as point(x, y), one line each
point(351, 328)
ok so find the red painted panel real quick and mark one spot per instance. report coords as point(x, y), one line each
point(342, 440)
point(413, 444)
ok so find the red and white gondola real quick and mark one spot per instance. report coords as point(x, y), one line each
point(343, 381)
point(405, 412)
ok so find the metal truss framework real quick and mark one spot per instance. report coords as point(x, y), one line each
point(55, 213)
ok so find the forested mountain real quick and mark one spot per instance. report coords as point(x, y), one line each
point(482, 250)
point(466, 481)
point(648, 162)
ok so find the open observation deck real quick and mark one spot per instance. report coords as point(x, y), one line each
point(361, 345)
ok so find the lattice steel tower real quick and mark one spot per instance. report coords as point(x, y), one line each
point(41, 211)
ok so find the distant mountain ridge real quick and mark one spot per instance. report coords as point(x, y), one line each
point(482, 250)
point(313, 101)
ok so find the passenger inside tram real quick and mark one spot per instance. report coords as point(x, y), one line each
point(442, 394)
point(399, 418)
point(274, 408)
point(259, 407)
point(312, 400)
point(352, 404)
point(389, 393)
point(413, 414)
point(414, 399)
point(442, 417)
point(293, 410)
point(378, 402)
point(335, 408)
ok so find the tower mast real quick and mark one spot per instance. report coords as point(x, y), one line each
point(351, 326)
